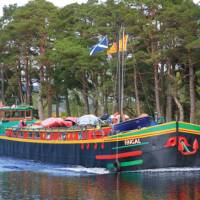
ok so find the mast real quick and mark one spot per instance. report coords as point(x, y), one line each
point(122, 77)
point(118, 74)
point(120, 70)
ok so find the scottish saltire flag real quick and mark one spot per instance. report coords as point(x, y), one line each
point(101, 46)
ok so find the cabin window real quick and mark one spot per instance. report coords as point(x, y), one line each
point(48, 136)
point(14, 134)
point(7, 114)
point(28, 113)
point(30, 135)
point(63, 136)
point(80, 135)
point(21, 134)
point(22, 114)
point(34, 113)
point(37, 135)
point(16, 114)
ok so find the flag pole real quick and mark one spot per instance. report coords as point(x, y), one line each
point(119, 72)
point(122, 78)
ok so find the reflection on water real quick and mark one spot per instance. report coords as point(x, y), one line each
point(28, 180)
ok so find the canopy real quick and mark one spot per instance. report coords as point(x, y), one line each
point(55, 122)
point(88, 120)
point(72, 119)
point(17, 108)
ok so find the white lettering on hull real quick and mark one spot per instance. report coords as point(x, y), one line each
point(132, 141)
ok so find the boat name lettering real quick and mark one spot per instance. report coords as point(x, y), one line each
point(132, 141)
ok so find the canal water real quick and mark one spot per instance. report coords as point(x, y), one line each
point(30, 180)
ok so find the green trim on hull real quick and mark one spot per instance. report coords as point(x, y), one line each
point(162, 127)
point(131, 163)
point(193, 127)
point(125, 164)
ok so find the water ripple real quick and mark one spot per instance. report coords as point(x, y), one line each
point(10, 164)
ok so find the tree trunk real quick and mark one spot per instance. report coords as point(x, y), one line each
point(180, 108)
point(57, 106)
point(192, 90)
point(162, 91)
point(30, 86)
point(86, 103)
point(2, 84)
point(28, 83)
point(137, 100)
point(49, 99)
point(169, 96)
point(85, 96)
point(20, 83)
point(105, 107)
point(41, 75)
point(68, 111)
point(40, 96)
point(156, 89)
point(96, 105)
point(169, 104)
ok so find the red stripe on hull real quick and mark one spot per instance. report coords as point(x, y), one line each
point(120, 155)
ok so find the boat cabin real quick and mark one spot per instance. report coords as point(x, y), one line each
point(16, 113)
point(57, 134)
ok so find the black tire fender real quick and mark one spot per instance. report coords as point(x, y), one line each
point(116, 165)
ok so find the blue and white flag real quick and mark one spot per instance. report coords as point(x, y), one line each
point(101, 46)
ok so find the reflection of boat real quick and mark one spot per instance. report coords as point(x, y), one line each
point(10, 116)
point(174, 144)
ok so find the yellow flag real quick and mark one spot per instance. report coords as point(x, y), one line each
point(123, 43)
point(122, 46)
point(112, 49)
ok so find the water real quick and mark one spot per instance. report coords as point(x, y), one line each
point(29, 180)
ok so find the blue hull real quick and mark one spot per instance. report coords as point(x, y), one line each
point(132, 124)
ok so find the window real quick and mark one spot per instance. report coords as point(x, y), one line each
point(15, 114)
point(7, 114)
point(48, 136)
point(21, 134)
point(30, 135)
point(37, 135)
point(63, 136)
point(14, 134)
point(22, 114)
point(28, 113)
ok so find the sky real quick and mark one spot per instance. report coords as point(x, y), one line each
point(59, 3)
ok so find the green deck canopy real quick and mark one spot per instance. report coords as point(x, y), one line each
point(7, 108)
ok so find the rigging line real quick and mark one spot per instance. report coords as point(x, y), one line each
point(144, 92)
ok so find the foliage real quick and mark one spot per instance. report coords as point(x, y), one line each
point(50, 46)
